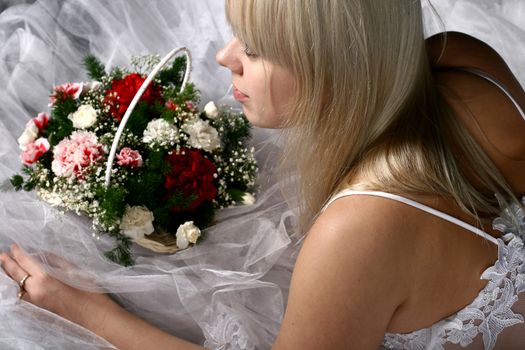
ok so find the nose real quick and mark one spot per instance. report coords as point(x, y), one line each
point(229, 56)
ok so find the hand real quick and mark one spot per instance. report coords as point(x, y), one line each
point(45, 291)
point(94, 311)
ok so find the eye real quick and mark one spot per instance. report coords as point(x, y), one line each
point(249, 52)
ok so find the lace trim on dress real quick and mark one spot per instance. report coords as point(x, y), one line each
point(491, 312)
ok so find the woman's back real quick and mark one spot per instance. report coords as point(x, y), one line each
point(448, 260)
point(449, 298)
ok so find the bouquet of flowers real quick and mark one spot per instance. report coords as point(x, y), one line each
point(173, 166)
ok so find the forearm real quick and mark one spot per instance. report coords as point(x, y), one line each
point(107, 319)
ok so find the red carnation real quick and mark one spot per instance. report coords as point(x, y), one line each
point(123, 90)
point(191, 174)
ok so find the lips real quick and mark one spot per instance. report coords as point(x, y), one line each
point(238, 95)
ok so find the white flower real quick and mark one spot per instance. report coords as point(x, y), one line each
point(211, 110)
point(92, 85)
point(137, 222)
point(187, 233)
point(51, 197)
point(29, 135)
point(202, 135)
point(159, 130)
point(248, 199)
point(84, 117)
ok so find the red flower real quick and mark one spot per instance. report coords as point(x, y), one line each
point(41, 121)
point(122, 91)
point(191, 174)
point(130, 158)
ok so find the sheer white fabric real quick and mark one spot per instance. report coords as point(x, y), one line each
point(228, 293)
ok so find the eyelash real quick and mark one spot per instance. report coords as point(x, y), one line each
point(249, 52)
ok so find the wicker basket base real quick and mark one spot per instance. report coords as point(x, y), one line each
point(160, 242)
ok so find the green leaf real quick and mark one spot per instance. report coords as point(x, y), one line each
point(17, 181)
point(94, 67)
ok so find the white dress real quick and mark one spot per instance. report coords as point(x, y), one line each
point(229, 292)
point(494, 319)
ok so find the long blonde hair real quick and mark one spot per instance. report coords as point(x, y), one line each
point(365, 102)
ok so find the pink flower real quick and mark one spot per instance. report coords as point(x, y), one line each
point(129, 157)
point(33, 128)
point(190, 105)
point(41, 121)
point(65, 91)
point(74, 155)
point(171, 105)
point(34, 151)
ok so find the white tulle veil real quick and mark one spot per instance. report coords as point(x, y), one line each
point(230, 291)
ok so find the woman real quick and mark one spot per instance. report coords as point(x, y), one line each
point(351, 81)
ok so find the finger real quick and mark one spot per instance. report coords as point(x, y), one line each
point(12, 268)
point(26, 262)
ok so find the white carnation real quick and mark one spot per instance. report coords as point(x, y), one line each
point(187, 233)
point(248, 199)
point(137, 222)
point(84, 117)
point(202, 135)
point(160, 131)
point(29, 135)
point(211, 110)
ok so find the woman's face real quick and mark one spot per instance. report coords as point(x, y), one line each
point(264, 89)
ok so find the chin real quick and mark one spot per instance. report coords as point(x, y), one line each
point(261, 121)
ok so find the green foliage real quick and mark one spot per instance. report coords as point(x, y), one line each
point(60, 126)
point(145, 189)
point(17, 181)
point(236, 194)
point(175, 73)
point(121, 253)
point(235, 129)
point(139, 119)
point(46, 159)
point(112, 203)
point(170, 220)
point(190, 93)
point(94, 67)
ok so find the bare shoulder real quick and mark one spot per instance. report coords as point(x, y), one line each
point(354, 253)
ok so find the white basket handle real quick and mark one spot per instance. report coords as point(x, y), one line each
point(136, 99)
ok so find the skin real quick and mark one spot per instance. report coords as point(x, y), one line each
point(355, 278)
point(267, 86)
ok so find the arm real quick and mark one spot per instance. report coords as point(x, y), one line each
point(350, 277)
point(93, 311)
point(352, 273)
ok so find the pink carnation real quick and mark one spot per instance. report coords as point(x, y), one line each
point(65, 91)
point(34, 151)
point(41, 121)
point(190, 106)
point(129, 157)
point(74, 155)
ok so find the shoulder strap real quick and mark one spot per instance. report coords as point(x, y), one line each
point(500, 85)
point(415, 204)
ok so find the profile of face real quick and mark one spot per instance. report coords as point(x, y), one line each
point(263, 88)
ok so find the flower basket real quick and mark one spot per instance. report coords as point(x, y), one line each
point(136, 155)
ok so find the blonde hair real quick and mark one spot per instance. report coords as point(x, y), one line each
point(365, 102)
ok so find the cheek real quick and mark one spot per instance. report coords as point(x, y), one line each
point(271, 95)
